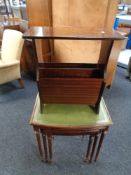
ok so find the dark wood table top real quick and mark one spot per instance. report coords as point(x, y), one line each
point(70, 33)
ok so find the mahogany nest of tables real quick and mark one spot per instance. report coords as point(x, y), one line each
point(70, 120)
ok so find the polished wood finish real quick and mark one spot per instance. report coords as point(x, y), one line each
point(39, 143)
point(74, 86)
point(70, 33)
point(89, 148)
point(100, 144)
point(49, 138)
point(96, 132)
point(45, 146)
point(28, 64)
point(80, 91)
point(112, 64)
point(72, 38)
point(96, 135)
point(93, 147)
point(65, 83)
point(106, 47)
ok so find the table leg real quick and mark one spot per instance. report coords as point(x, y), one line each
point(37, 133)
point(49, 138)
point(100, 144)
point(93, 148)
point(89, 148)
point(45, 146)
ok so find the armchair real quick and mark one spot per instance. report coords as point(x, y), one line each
point(11, 49)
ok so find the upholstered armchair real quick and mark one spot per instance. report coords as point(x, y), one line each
point(11, 48)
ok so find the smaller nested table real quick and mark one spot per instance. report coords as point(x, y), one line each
point(69, 120)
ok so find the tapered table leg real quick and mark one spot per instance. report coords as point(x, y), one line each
point(93, 148)
point(89, 148)
point(37, 133)
point(49, 138)
point(45, 146)
point(100, 144)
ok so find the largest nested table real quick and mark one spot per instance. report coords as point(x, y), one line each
point(69, 120)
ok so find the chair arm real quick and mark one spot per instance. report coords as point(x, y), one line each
point(4, 65)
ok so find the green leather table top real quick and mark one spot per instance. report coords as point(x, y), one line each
point(69, 115)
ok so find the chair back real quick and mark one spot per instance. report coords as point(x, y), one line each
point(12, 44)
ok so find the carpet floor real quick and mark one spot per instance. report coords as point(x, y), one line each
point(18, 150)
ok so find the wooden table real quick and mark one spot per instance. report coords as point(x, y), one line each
point(79, 119)
point(109, 40)
point(70, 33)
point(69, 120)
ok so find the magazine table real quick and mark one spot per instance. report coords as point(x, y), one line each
point(57, 109)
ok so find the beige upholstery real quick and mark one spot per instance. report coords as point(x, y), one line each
point(11, 49)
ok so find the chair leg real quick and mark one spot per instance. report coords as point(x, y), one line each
point(21, 83)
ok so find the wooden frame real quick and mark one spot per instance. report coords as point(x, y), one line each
point(70, 83)
point(69, 32)
point(77, 85)
point(45, 133)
